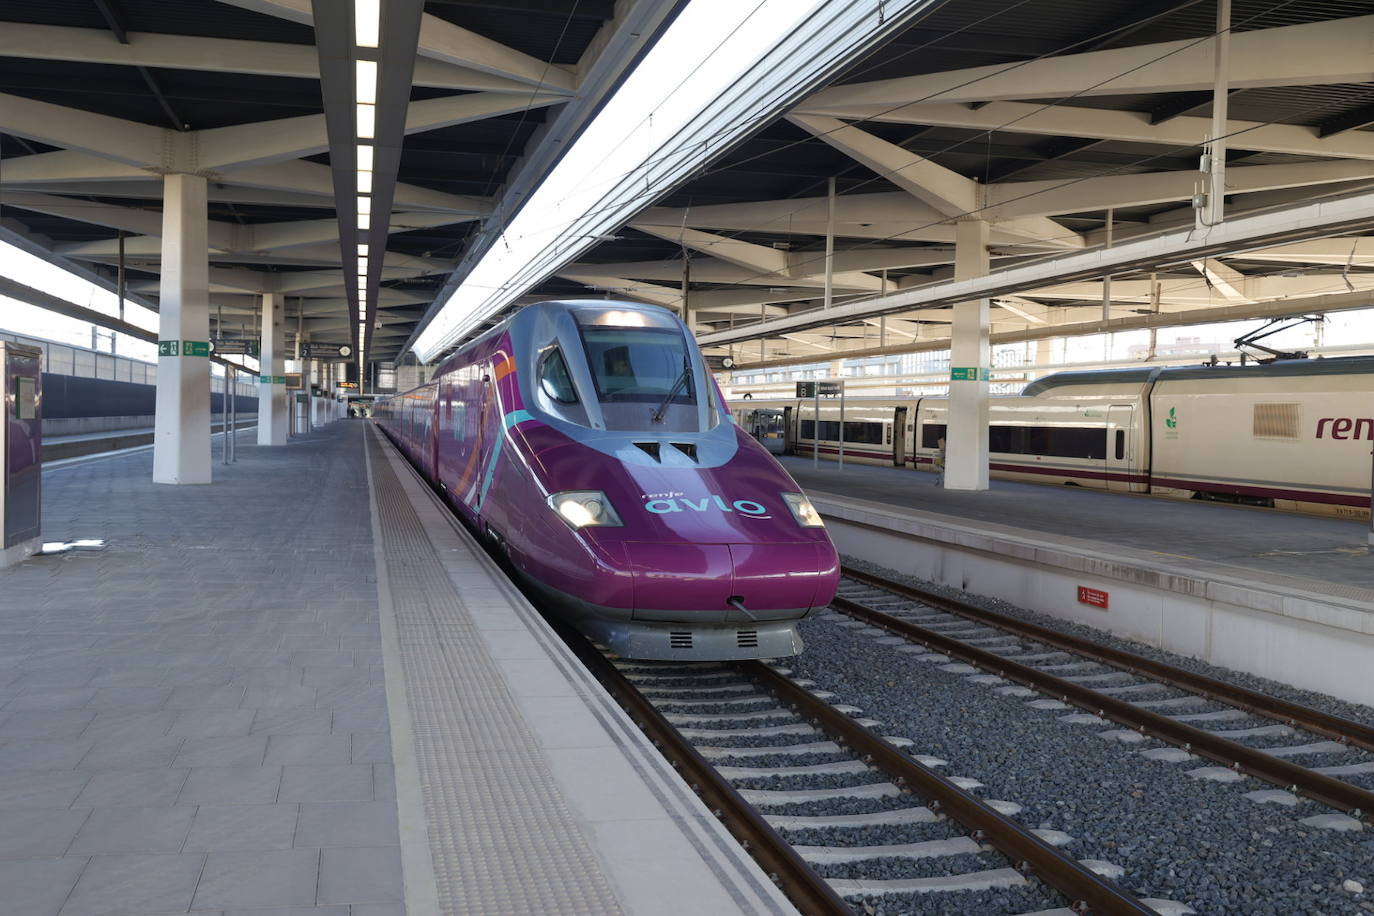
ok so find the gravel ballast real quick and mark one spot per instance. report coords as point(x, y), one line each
point(1190, 840)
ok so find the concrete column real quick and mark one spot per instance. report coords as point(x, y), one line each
point(966, 443)
point(272, 405)
point(181, 433)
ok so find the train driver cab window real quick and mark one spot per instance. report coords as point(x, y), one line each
point(554, 378)
point(643, 378)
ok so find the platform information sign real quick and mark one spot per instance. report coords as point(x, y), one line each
point(969, 374)
point(236, 346)
point(819, 389)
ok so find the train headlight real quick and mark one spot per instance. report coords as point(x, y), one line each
point(802, 510)
point(585, 509)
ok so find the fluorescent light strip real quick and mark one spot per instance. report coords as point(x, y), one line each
point(364, 222)
point(364, 182)
point(364, 157)
point(367, 121)
point(720, 71)
point(367, 22)
point(365, 74)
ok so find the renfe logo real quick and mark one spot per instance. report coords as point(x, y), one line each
point(705, 504)
point(1363, 427)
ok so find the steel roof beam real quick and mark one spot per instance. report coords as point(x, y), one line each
point(1350, 120)
point(1256, 231)
point(213, 55)
point(1110, 124)
point(1024, 198)
point(265, 142)
point(152, 190)
point(890, 216)
point(225, 238)
point(116, 24)
point(709, 270)
point(1317, 53)
point(312, 177)
point(1338, 251)
point(754, 263)
point(73, 129)
point(934, 185)
point(442, 40)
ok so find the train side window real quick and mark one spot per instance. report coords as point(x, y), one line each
point(931, 434)
point(1120, 444)
point(554, 378)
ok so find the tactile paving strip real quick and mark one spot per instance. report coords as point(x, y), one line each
point(501, 836)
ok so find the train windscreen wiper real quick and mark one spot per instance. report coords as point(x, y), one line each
point(672, 392)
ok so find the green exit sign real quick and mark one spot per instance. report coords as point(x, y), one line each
point(968, 374)
point(168, 347)
point(195, 348)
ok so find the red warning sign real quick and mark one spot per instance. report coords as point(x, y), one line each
point(1094, 596)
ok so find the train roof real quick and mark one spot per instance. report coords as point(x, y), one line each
point(1343, 365)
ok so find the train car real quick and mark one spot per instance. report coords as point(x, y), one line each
point(1285, 435)
point(589, 443)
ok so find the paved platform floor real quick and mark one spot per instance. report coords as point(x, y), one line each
point(1261, 544)
point(193, 719)
point(198, 719)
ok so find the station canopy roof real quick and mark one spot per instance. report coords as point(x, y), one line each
point(1057, 124)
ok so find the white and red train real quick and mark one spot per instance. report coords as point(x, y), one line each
point(1293, 435)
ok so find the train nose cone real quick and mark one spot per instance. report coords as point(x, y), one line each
point(775, 581)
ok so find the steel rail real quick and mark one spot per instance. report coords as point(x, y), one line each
point(1344, 730)
point(808, 891)
point(1064, 873)
point(1342, 796)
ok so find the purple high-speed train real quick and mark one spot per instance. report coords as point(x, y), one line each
point(589, 442)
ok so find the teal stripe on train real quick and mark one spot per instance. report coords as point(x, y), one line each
point(509, 420)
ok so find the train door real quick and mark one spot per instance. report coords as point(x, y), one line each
point(899, 437)
point(789, 432)
point(1119, 446)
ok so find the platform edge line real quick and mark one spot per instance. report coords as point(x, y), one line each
point(420, 889)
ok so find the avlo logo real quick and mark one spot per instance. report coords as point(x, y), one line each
point(710, 503)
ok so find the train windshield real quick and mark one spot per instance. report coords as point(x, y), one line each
point(643, 377)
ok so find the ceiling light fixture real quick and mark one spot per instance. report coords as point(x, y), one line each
point(366, 77)
point(720, 71)
point(364, 157)
point(367, 22)
point(367, 121)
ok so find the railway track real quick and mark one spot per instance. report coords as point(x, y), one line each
point(1114, 686)
point(813, 789)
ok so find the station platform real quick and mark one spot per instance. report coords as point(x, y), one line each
point(77, 445)
point(1276, 594)
point(303, 689)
